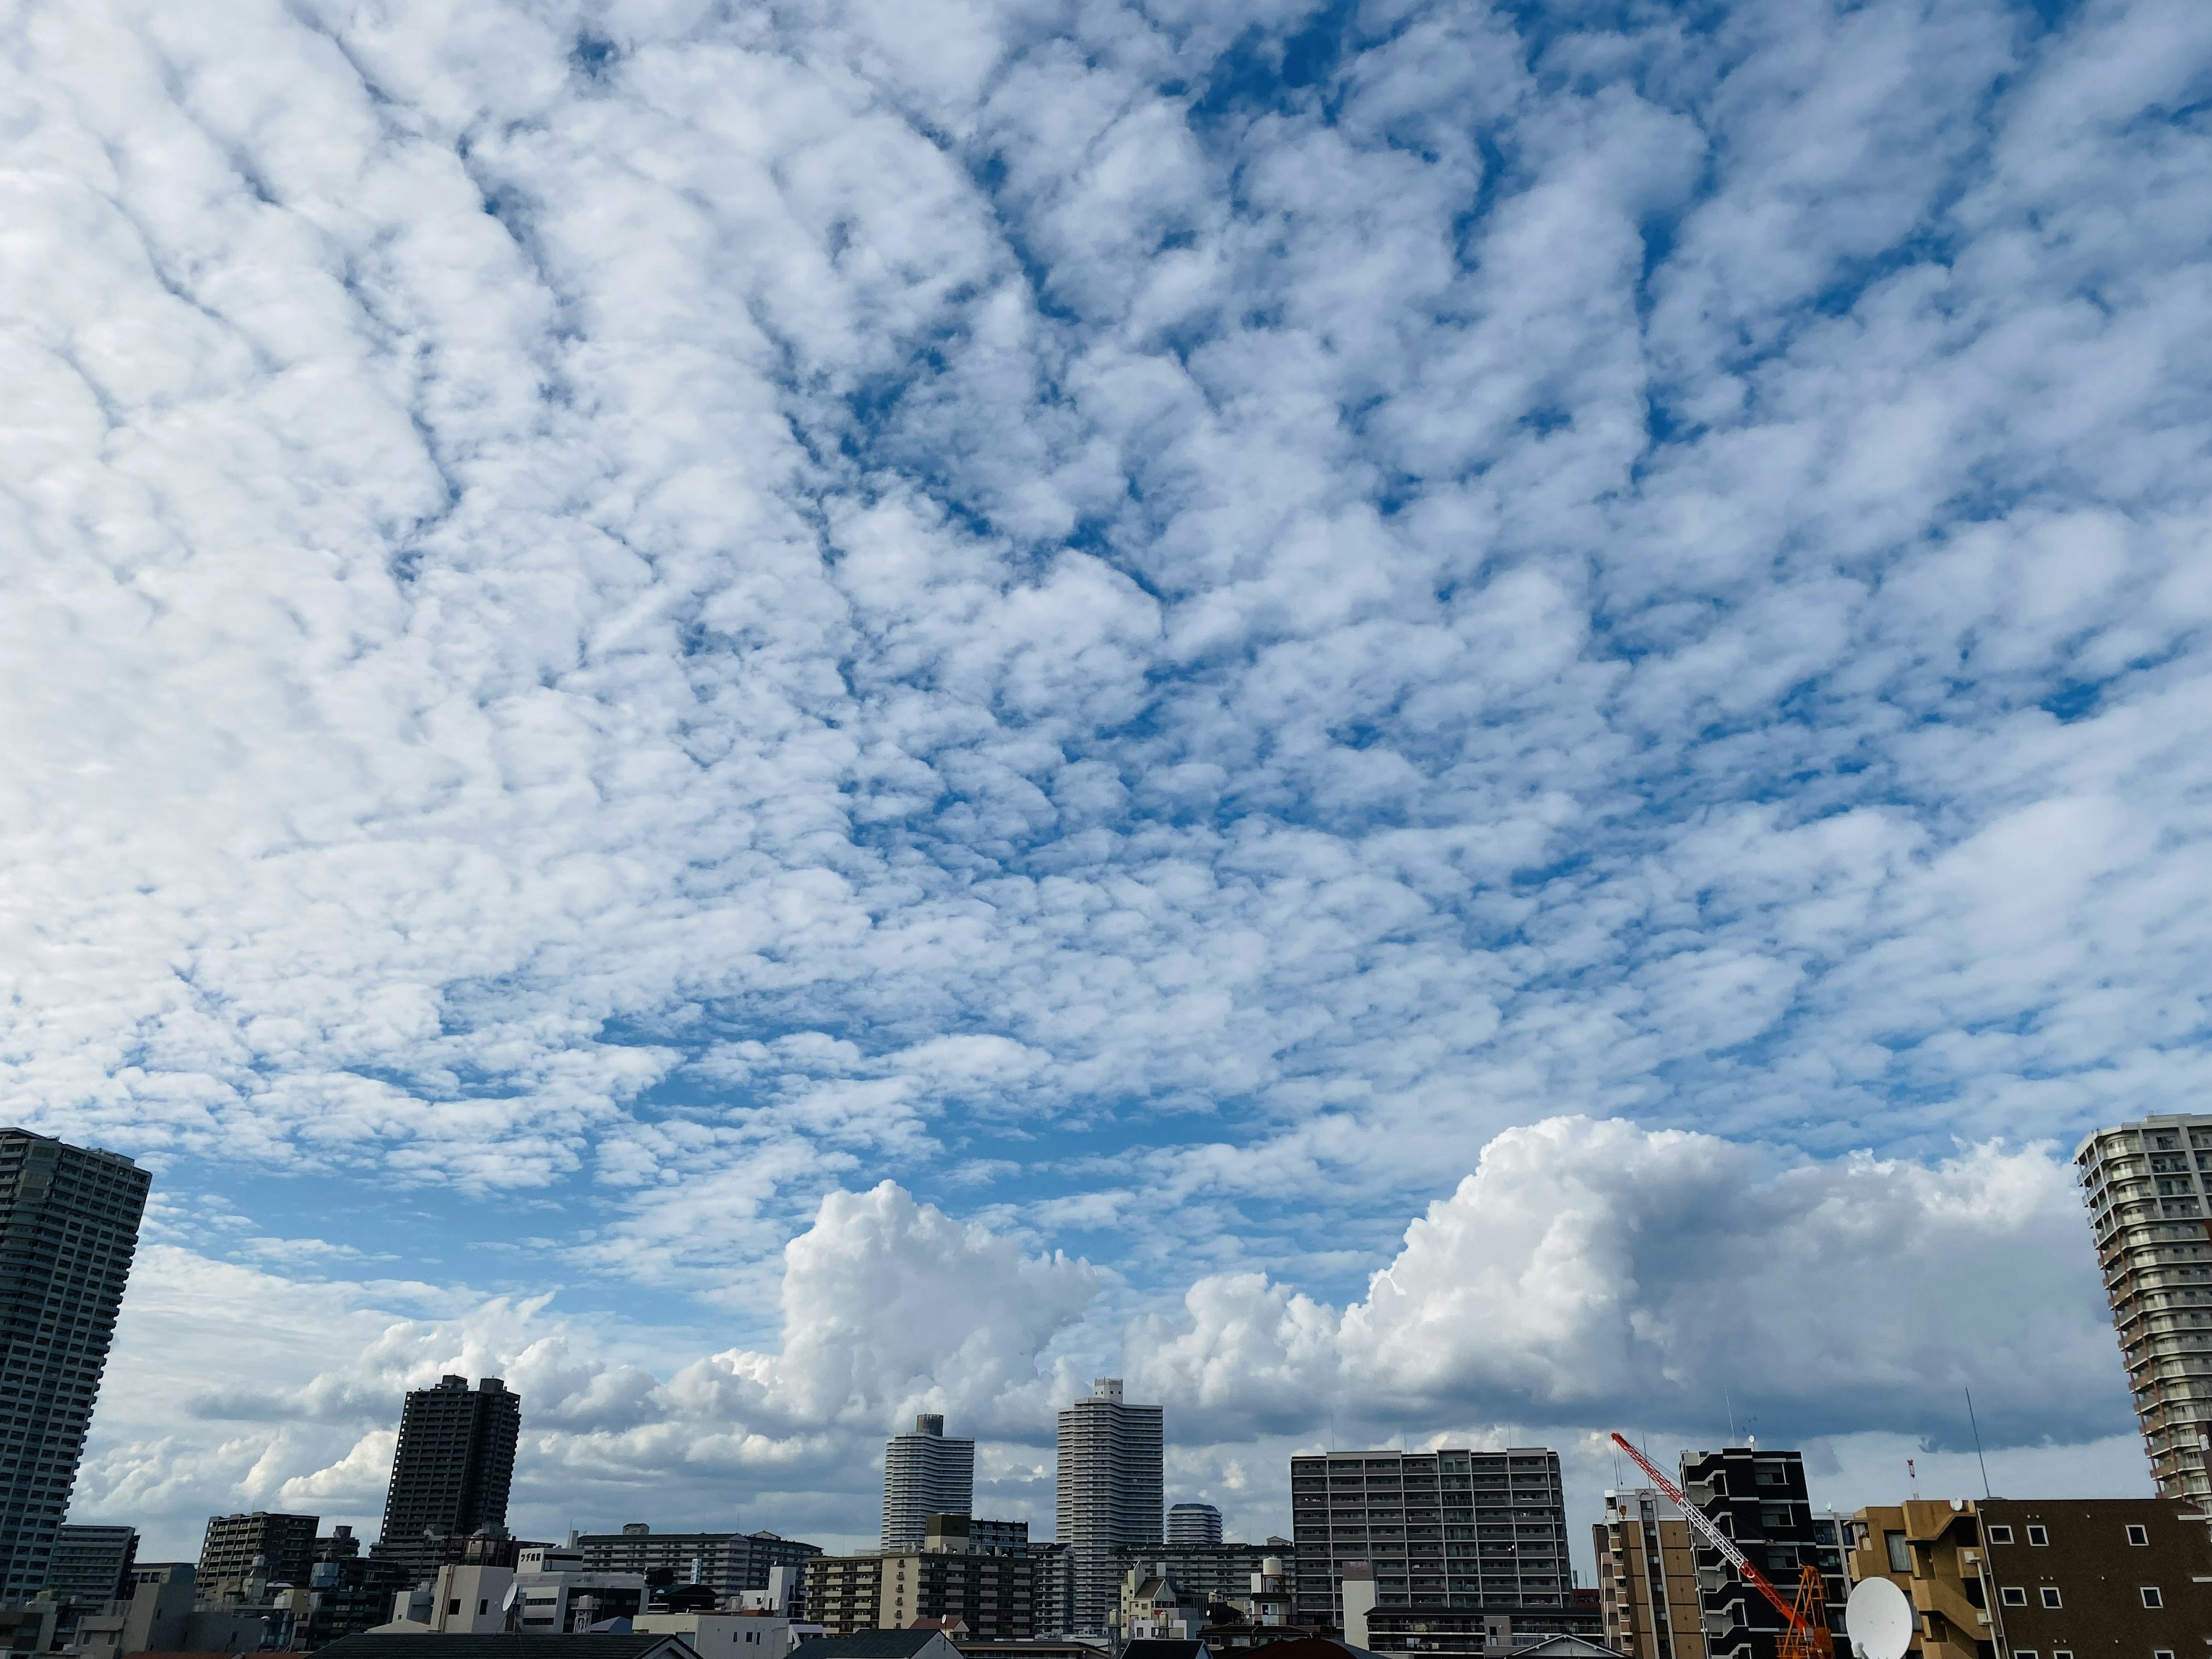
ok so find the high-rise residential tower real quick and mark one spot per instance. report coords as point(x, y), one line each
point(2146, 1184)
point(1193, 1523)
point(69, 1225)
point(1111, 1481)
point(925, 1474)
point(451, 1469)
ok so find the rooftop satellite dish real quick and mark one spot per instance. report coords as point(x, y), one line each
point(514, 1594)
point(1878, 1620)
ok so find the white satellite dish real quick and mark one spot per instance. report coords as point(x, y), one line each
point(1878, 1620)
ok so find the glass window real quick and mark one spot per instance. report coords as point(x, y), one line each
point(2139, 1535)
point(2014, 1595)
point(2037, 1535)
point(2001, 1534)
point(2050, 1596)
point(1900, 1555)
point(2151, 1597)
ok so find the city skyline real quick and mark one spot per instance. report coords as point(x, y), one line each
point(1427, 722)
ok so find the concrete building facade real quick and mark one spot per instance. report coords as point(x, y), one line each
point(926, 1473)
point(1218, 1573)
point(2011, 1578)
point(844, 1593)
point(1647, 1578)
point(283, 1545)
point(69, 1227)
point(956, 1574)
point(92, 1566)
point(1470, 1544)
point(2148, 1188)
point(729, 1563)
point(450, 1471)
point(1112, 1483)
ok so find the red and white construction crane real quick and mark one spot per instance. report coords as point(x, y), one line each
point(1804, 1622)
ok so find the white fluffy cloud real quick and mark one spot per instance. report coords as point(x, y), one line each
point(1595, 1275)
point(1588, 1275)
point(1156, 621)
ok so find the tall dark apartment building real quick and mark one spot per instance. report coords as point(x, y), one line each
point(1462, 1546)
point(451, 1469)
point(283, 1544)
point(1759, 1498)
point(69, 1225)
point(90, 1564)
point(1111, 1487)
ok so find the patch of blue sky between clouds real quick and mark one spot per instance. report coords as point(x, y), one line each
point(1159, 624)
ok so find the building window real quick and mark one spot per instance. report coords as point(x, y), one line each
point(2001, 1534)
point(2162, 1653)
point(2139, 1535)
point(1900, 1555)
point(2014, 1595)
point(2023, 1653)
point(2037, 1535)
point(2051, 1596)
point(2151, 1597)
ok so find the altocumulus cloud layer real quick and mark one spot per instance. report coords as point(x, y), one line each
point(1190, 634)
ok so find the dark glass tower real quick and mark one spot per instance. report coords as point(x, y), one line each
point(69, 1224)
point(451, 1469)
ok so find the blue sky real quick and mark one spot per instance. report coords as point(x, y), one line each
point(1414, 720)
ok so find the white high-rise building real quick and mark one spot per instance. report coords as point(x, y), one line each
point(1111, 1458)
point(925, 1474)
point(1193, 1523)
point(2149, 1187)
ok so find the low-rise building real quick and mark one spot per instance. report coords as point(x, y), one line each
point(1153, 1606)
point(276, 1548)
point(879, 1644)
point(730, 1563)
point(1214, 1572)
point(351, 1593)
point(2084, 1578)
point(724, 1635)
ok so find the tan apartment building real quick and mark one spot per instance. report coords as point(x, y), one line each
point(844, 1593)
point(991, 1586)
point(2010, 1578)
point(1647, 1578)
point(2150, 1213)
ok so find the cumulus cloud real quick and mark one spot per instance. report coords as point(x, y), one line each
point(1594, 1273)
point(1157, 620)
point(889, 1307)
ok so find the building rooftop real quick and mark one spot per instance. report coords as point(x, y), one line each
point(407, 1645)
point(868, 1644)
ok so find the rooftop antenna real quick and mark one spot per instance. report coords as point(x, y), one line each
point(1913, 1477)
point(1978, 1458)
point(1730, 1404)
